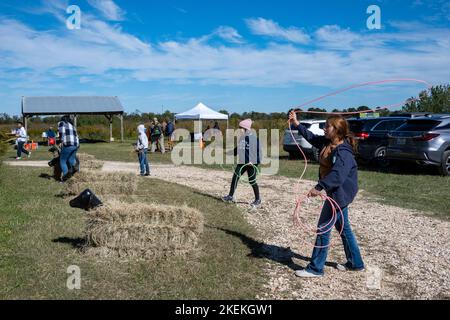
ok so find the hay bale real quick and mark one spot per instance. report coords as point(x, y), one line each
point(101, 183)
point(89, 162)
point(144, 231)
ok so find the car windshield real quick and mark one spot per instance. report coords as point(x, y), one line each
point(419, 125)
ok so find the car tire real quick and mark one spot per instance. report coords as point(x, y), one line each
point(315, 154)
point(293, 156)
point(380, 157)
point(444, 169)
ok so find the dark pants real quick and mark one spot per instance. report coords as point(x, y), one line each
point(21, 149)
point(143, 162)
point(251, 172)
point(319, 256)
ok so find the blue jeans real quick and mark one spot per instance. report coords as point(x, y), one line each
point(21, 149)
point(319, 256)
point(68, 159)
point(143, 162)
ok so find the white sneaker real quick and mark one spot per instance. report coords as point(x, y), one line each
point(306, 274)
point(18, 158)
point(343, 267)
point(29, 155)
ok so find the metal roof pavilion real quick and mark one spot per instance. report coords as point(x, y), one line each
point(91, 105)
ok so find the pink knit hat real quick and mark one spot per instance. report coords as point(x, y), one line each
point(246, 124)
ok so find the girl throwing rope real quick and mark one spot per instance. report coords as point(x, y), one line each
point(338, 175)
point(249, 158)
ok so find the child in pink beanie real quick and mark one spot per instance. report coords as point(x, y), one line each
point(249, 158)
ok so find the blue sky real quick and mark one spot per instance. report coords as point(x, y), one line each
point(235, 55)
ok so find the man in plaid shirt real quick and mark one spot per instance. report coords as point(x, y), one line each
point(69, 146)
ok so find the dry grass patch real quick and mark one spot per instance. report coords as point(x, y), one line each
point(143, 231)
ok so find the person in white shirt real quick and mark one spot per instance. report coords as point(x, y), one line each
point(22, 138)
point(142, 150)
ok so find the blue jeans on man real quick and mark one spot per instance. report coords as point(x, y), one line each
point(21, 149)
point(143, 162)
point(68, 159)
point(319, 256)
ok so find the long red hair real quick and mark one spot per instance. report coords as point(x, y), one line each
point(342, 130)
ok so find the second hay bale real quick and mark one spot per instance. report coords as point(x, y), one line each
point(89, 161)
point(143, 230)
point(101, 183)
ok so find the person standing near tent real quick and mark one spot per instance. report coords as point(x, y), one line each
point(338, 173)
point(69, 147)
point(142, 150)
point(157, 137)
point(249, 158)
point(22, 138)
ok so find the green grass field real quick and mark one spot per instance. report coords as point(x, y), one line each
point(39, 233)
point(406, 186)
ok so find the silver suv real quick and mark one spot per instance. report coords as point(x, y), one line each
point(289, 145)
point(424, 140)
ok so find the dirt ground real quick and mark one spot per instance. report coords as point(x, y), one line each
point(407, 254)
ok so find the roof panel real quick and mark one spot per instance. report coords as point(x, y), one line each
point(70, 105)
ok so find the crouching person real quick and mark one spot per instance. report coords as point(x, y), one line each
point(142, 150)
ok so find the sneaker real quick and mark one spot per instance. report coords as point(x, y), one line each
point(228, 199)
point(306, 274)
point(18, 158)
point(345, 267)
point(29, 155)
point(147, 175)
point(256, 204)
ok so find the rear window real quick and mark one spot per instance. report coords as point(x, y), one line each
point(419, 125)
point(388, 125)
point(363, 125)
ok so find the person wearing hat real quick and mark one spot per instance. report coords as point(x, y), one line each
point(249, 156)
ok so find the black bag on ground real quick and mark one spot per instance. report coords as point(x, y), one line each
point(87, 200)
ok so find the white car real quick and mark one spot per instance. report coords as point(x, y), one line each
point(316, 127)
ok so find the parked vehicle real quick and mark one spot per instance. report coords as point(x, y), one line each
point(289, 145)
point(372, 136)
point(424, 140)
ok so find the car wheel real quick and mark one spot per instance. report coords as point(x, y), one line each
point(444, 169)
point(380, 157)
point(315, 155)
point(293, 156)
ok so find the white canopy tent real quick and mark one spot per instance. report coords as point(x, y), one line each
point(201, 112)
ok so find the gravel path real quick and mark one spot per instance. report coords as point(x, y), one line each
point(407, 255)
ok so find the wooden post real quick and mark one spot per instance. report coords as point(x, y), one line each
point(25, 123)
point(75, 121)
point(121, 128)
point(110, 130)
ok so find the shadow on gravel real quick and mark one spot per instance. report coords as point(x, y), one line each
point(274, 253)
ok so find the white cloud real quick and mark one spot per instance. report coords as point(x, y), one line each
point(109, 9)
point(269, 28)
point(104, 53)
point(335, 37)
point(229, 34)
